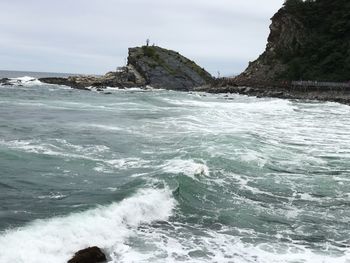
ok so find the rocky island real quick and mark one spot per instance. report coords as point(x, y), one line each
point(147, 65)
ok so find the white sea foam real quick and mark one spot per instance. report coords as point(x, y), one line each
point(213, 246)
point(112, 88)
point(55, 240)
point(249, 105)
point(26, 81)
point(188, 167)
point(135, 89)
point(107, 166)
point(103, 127)
point(64, 149)
point(52, 195)
point(253, 156)
point(127, 163)
point(219, 247)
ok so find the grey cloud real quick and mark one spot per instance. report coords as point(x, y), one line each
point(92, 36)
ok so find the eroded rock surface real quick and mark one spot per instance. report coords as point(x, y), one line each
point(286, 34)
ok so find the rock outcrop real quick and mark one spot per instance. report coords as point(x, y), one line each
point(309, 40)
point(89, 255)
point(123, 77)
point(162, 68)
point(286, 34)
point(147, 65)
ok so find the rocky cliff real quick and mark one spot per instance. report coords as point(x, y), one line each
point(286, 34)
point(162, 68)
point(147, 65)
point(308, 40)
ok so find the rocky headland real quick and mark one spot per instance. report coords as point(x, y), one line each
point(309, 41)
point(147, 66)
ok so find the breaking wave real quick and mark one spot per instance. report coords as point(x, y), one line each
point(57, 239)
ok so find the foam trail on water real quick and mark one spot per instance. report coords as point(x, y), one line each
point(224, 248)
point(56, 240)
point(189, 168)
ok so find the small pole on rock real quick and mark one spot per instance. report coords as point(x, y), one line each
point(147, 42)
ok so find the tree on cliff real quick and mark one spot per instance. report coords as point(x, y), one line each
point(325, 53)
point(293, 3)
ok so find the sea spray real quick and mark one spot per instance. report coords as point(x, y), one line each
point(55, 240)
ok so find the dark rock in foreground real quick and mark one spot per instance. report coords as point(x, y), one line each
point(89, 255)
point(147, 65)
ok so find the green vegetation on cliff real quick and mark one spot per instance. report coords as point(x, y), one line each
point(163, 68)
point(309, 40)
point(324, 54)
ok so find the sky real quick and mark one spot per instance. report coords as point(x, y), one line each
point(93, 36)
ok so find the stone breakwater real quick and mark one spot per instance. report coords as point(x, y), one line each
point(340, 96)
point(284, 90)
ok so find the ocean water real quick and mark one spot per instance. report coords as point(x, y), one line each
point(19, 74)
point(163, 176)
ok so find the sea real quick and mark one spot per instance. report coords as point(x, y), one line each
point(164, 176)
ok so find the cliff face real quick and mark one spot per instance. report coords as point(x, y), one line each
point(147, 65)
point(162, 68)
point(287, 33)
point(308, 40)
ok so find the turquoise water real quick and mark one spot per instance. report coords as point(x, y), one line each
point(161, 176)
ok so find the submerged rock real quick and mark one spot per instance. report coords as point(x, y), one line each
point(88, 255)
point(5, 82)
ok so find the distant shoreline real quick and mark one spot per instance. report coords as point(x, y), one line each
point(34, 74)
point(227, 85)
point(339, 95)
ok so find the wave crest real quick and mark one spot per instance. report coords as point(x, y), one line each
point(186, 167)
point(57, 239)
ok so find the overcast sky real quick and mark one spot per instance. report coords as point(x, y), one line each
point(92, 36)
